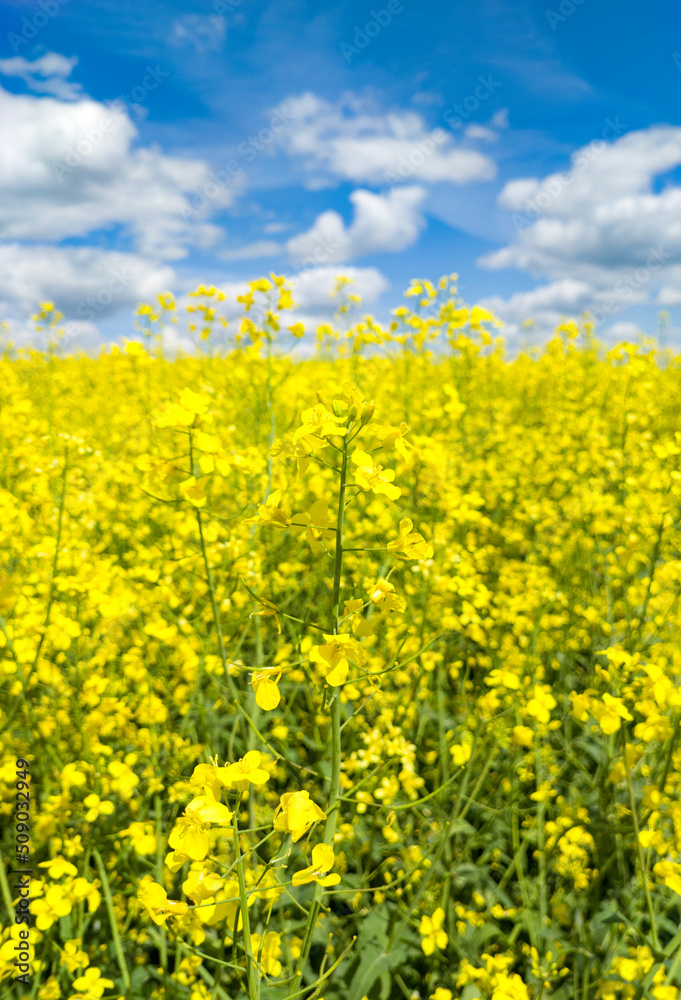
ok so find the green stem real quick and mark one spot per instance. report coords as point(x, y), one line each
point(334, 792)
point(338, 562)
point(158, 815)
point(639, 849)
point(676, 966)
point(520, 869)
point(251, 971)
point(118, 947)
point(216, 616)
point(6, 894)
point(541, 842)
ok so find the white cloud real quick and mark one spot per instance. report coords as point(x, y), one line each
point(381, 223)
point(175, 341)
point(551, 304)
point(47, 75)
point(500, 118)
point(260, 248)
point(206, 33)
point(603, 230)
point(85, 283)
point(481, 132)
point(669, 296)
point(312, 288)
point(351, 141)
point(670, 292)
point(564, 296)
point(546, 305)
point(71, 169)
point(623, 331)
point(602, 213)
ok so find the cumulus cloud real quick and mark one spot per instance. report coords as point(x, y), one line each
point(546, 306)
point(567, 298)
point(381, 223)
point(606, 233)
point(71, 169)
point(602, 213)
point(251, 251)
point(86, 284)
point(47, 75)
point(312, 287)
point(625, 330)
point(351, 141)
point(670, 292)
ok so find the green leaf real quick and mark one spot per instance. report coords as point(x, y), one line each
point(138, 977)
point(375, 964)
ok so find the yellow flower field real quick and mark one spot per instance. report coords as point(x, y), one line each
point(347, 676)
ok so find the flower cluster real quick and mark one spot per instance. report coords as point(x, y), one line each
point(356, 673)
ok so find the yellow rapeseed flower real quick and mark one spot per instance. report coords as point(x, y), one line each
point(322, 862)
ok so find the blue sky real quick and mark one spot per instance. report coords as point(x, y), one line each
point(534, 149)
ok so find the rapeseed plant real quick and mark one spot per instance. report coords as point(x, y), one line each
point(355, 676)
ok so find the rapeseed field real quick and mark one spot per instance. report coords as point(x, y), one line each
point(346, 675)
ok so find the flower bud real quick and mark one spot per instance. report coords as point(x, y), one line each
point(367, 412)
point(352, 412)
point(337, 407)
